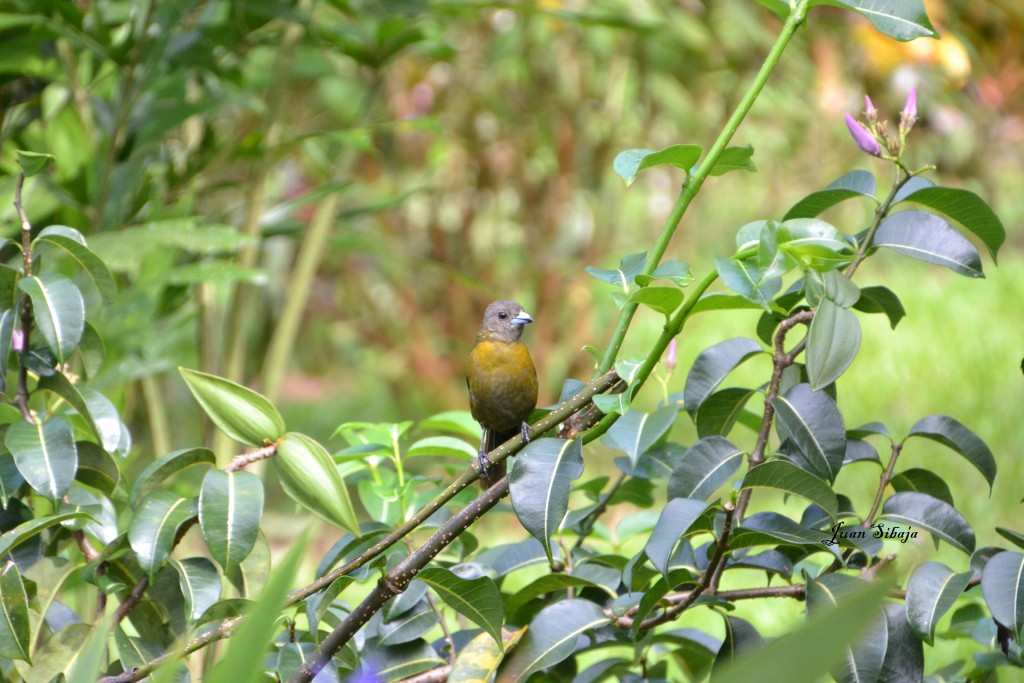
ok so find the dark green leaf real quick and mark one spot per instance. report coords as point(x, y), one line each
point(45, 454)
point(675, 520)
point(712, 366)
point(230, 508)
point(476, 599)
point(240, 413)
point(540, 482)
point(832, 344)
point(816, 426)
point(965, 208)
point(155, 526)
point(10, 478)
point(73, 244)
point(58, 309)
point(741, 638)
point(1012, 536)
point(664, 300)
point(1002, 584)
point(785, 476)
point(922, 481)
point(953, 434)
point(707, 465)
point(14, 622)
point(931, 591)
point(7, 320)
point(734, 159)
point(927, 237)
point(899, 19)
point(200, 583)
point(932, 515)
point(58, 652)
point(92, 351)
point(99, 413)
point(160, 469)
point(863, 661)
point(636, 432)
point(766, 528)
point(96, 468)
point(746, 280)
point(26, 530)
point(881, 300)
point(853, 184)
point(904, 653)
point(721, 410)
point(551, 637)
point(631, 161)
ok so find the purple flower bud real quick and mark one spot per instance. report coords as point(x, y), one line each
point(17, 340)
point(910, 108)
point(869, 109)
point(864, 139)
point(671, 358)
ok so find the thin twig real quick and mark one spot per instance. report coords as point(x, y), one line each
point(883, 481)
point(240, 462)
point(21, 397)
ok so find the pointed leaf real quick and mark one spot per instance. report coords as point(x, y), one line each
point(310, 477)
point(922, 481)
point(623, 276)
point(155, 526)
point(932, 589)
point(14, 622)
point(73, 244)
point(931, 514)
point(707, 465)
point(34, 163)
point(785, 476)
point(721, 410)
point(58, 309)
point(636, 432)
point(863, 660)
point(741, 638)
point(734, 159)
point(96, 468)
point(200, 584)
point(10, 540)
point(160, 469)
point(675, 521)
point(1002, 584)
point(816, 426)
point(881, 300)
point(904, 652)
point(540, 482)
point(479, 599)
point(630, 162)
point(899, 19)
point(433, 446)
point(927, 237)
point(230, 508)
point(664, 300)
point(45, 454)
point(746, 280)
point(240, 413)
point(965, 208)
point(953, 434)
point(712, 366)
point(832, 344)
point(551, 637)
point(672, 270)
point(853, 184)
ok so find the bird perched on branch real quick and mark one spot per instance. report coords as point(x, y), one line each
point(502, 382)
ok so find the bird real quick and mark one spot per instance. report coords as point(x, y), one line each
point(502, 382)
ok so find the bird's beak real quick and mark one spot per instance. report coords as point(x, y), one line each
point(522, 319)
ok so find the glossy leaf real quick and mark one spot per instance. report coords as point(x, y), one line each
point(741, 638)
point(540, 482)
point(96, 468)
point(10, 478)
point(1002, 584)
point(904, 652)
point(720, 411)
point(623, 276)
point(14, 621)
point(240, 413)
point(200, 584)
point(955, 435)
point(670, 269)
point(864, 659)
point(747, 281)
point(712, 366)
point(832, 344)
point(664, 300)
point(816, 426)
point(479, 659)
point(155, 526)
point(630, 162)
point(965, 208)
point(158, 470)
point(922, 481)
point(932, 589)
point(636, 431)
point(45, 454)
point(34, 163)
point(433, 446)
point(71, 242)
point(938, 518)
point(7, 319)
point(1012, 536)
point(58, 309)
point(49, 574)
point(675, 520)
point(551, 637)
point(230, 508)
point(785, 476)
point(766, 528)
point(707, 465)
point(91, 661)
point(927, 237)
point(479, 599)
point(310, 478)
point(881, 300)
point(10, 540)
point(734, 159)
point(899, 19)
point(853, 184)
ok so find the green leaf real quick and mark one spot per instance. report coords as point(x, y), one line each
point(927, 237)
point(881, 300)
point(938, 518)
point(904, 652)
point(740, 638)
point(672, 270)
point(14, 622)
point(58, 309)
point(26, 530)
point(785, 476)
point(922, 481)
point(99, 413)
point(552, 637)
point(1012, 536)
point(707, 465)
point(853, 184)
point(10, 478)
point(49, 574)
point(200, 584)
point(540, 483)
point(230, 508)
point(160, 469)
point(310, 477)
point(479, 599)
point(832, 286)
point(1002, 584)
point(767, 528)
point(832, 344)
point(155, 526)
point(816, 426)
point(720, 411)
point(96, 468)
point(455, 421)
point(630, 162)
point(734, 159)
point(122, 250)
point(712, 366)
point(864, 657)
point(92, 351)
point(967, 209)
point(953, 434)
point(58, 654)
point(899, 19)
point(7, 320)
point(664, 300)
point(675, 521)
point(34, 163)
point(746, 280)
point(45, 455)
point(240, 413)
point(449, 446)
point(636, 432)
point(932, 589)
point(623, 276)
point(780, 7)
point(73, 244)
point(91, 661)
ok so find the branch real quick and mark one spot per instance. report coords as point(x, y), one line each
point(239, 462)
point(22, 395)
point(883, 481)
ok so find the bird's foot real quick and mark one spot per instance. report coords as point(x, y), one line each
point(524, 431)
point(483, 466)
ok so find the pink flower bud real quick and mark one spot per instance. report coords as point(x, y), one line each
point(910, 108)
point(17, 340)
point(863, 137)
point(670, 356)
point(869, 109)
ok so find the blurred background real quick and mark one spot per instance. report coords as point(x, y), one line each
point(318, 199)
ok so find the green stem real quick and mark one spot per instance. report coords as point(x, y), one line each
point(693, 184)
point(880, 213)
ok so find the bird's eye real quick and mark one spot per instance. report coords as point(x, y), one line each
point(503, 315)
